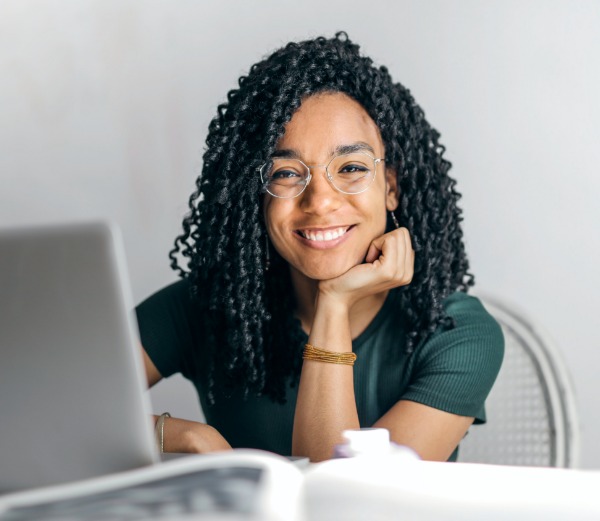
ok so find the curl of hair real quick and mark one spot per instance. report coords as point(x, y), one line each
point(249, 312)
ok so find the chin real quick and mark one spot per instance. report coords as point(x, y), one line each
point(324, 271)
point(325, 274)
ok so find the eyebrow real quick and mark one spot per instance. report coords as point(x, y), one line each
point(359, 146)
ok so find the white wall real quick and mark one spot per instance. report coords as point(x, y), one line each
point(104, 107)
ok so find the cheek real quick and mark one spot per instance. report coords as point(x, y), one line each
point(275, 217)
point(374, 211)
point(270, 213)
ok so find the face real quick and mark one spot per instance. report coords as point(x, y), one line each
point(323, 233)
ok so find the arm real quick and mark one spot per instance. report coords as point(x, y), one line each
point(431, 433)
point(183, 435)
point(326, 403)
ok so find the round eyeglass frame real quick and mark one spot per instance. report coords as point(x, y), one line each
point(376, 161)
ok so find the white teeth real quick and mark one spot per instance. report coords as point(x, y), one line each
point(319, 236)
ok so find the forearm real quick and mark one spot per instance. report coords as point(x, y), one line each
point(326, 404)
point(188, 436)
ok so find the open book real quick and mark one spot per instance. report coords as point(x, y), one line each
point(241, 484)
point(254, 485)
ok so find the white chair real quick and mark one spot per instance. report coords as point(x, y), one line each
point(531, 413)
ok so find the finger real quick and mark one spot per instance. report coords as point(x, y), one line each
point(392, 253)
point(376, 246)
point(399, 240)
point(373, 252)
point(409, 258)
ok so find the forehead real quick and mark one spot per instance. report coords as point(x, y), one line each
point(326, 121)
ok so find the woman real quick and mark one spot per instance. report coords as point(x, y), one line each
point(324, 228)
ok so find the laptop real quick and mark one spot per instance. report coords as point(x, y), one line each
point(72, 400)
point(77, 439)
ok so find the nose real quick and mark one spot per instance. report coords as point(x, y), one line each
point(320, 197)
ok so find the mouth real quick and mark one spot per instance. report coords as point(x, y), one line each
point(323, 237)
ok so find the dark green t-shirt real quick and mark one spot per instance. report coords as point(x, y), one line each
point(453, 371)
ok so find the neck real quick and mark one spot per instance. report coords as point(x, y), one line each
point(360, 314)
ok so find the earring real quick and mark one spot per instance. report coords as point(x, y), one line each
point(267, 254)
point(395, 220)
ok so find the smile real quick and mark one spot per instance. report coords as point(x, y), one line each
point(324, 235)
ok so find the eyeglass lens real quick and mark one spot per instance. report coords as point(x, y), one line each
point(349, 173)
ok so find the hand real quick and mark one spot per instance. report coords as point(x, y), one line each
point(389, 263)
point(188, 436)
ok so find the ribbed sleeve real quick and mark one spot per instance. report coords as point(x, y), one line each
point(455, 370)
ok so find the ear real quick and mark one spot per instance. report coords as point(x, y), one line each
point(392, 192)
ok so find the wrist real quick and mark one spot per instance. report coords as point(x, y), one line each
point(203, 438)
point(331, 301)
point(331, 324)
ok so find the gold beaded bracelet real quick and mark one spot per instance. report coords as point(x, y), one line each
point(321, 355)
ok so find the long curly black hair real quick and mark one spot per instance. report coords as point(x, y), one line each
point(248, 314)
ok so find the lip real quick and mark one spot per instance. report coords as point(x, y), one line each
point(324, 245)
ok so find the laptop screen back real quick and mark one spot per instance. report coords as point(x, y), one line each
point(72, 401)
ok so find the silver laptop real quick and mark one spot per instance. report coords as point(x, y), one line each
point(72, 400)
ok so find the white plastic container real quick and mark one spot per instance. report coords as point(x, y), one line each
point(371, 442)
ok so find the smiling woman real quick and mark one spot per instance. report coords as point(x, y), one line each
point(324, 229)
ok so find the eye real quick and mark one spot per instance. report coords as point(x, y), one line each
point(353, 169)
point(283, 174)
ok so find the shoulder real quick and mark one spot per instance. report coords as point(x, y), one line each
point(169, 327)
point(457, 365)
point(173, 296)
point(475, 340)
point(471, 316)
point(170, 311)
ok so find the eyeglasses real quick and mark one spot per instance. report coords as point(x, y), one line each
point(348, 173)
